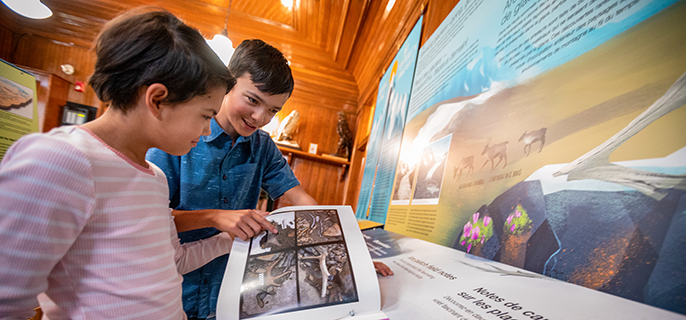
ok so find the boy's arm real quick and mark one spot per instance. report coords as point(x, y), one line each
point(238, 223)
point(298, 197)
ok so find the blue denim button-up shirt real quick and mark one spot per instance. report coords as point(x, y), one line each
point(217, 175)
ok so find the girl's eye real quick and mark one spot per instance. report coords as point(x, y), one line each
point(252, 100)
point(207, 118)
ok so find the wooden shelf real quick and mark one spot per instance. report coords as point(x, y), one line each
point(305, 155)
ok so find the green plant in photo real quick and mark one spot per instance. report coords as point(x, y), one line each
point(477, 231)
point(518, 221)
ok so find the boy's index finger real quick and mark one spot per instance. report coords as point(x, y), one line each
point(262, 213)
point(260, 218)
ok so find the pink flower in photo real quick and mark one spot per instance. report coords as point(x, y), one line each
point(475, 217)
point(482, 240)
point(513, 227)
point(467, 229)
point(487, 220)
point(518, 214)
point(509, 219)
point(463, 242)
point(469, 247)
point(475, 233)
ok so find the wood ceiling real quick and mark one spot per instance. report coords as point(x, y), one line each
point(328, 42)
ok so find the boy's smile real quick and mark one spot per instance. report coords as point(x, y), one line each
point(245, 108)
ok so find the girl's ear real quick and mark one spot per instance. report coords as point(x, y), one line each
point(154, 95)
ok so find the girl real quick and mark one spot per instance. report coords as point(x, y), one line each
point(84, 219)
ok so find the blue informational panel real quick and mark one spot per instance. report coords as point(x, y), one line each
point(387, 130)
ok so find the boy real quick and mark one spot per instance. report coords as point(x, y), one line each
point(216, 186)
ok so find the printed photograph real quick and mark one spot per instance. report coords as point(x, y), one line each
point(16, 98)
point(325, 276)
point(318, 226)
point(430, 172)
point(284, 239)
point(285, 274)
point(269, 284)
point(402, 187)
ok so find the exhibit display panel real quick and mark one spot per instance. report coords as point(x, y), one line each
point(549, 136)
point(18, 105)
point(387, 130)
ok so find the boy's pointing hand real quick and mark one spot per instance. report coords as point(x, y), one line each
point(244, 224)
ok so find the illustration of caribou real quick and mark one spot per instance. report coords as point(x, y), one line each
point(495, 151)
point(465, 163)
point(530, 137)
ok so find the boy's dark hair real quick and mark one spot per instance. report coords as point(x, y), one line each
point(150, 45)
point(266, 65)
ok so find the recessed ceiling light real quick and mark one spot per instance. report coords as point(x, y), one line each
point(33, 9)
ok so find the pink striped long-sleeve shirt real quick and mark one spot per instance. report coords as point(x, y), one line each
point(90, 229)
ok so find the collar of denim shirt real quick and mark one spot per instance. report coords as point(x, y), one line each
point(217, 131)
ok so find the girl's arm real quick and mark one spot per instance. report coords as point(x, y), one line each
point(192, 255)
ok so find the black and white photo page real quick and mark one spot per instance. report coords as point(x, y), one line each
point(316, 266)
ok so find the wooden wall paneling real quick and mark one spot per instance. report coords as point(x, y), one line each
point(320, 180)
point(47, 55)
point(386, 39)
point(317, 125)
point(350, 31)
point(354, 177)
point(325, 85)
point(69, 25)
point(78, 22)
point(338, 33)
point(366, 48)
point(333, 17)
point(268, 9)
point(6, 43)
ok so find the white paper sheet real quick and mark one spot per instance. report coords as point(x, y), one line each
point(280, 276)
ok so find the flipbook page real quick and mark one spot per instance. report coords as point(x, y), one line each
point(316, 267)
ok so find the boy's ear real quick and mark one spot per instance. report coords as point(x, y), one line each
point(154, 95)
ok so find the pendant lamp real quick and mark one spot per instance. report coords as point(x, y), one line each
point(220, 43)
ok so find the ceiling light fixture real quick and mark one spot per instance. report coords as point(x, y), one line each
point(220, 43)
point(287, 3)
point(33, 9)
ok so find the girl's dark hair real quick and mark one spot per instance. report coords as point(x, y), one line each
point(150, 45)
point(266, 65)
